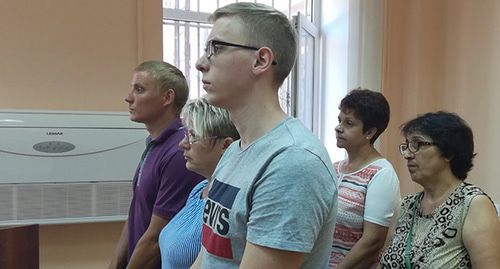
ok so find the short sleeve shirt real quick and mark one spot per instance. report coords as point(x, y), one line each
point(368, 194)
point(161, 183)
point(280, 192)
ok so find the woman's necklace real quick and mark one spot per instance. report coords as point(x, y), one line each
point(428, 206)
point(351, 167)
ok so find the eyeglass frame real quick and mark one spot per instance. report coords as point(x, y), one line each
point(403, 147)
point(210, 48)
point(191, 139)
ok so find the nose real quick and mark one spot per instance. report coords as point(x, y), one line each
point(183, 144)
point(338, 128)
point(129, 98)
point(202, 63)
point(408, 155)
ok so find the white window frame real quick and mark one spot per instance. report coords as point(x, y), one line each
point(289, 98)
point(305, 105)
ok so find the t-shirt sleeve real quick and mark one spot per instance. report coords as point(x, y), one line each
point(175, 185)
point(291, 202)
point(382, 197)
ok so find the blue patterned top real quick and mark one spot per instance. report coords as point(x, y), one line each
point(180, 240)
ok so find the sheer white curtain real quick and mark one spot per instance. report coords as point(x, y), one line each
point(351, 33)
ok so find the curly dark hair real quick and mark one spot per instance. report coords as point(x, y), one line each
point(451, 135)
point(370, 107)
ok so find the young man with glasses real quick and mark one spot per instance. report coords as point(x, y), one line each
point(162, 183)
point(273, 200)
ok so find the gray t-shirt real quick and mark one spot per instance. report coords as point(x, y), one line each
point(279, 192)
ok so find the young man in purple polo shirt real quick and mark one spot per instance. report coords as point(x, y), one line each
point(162, 182)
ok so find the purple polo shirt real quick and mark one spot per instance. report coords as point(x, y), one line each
point(161, 183)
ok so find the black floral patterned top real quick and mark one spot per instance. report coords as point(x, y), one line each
point(437, 237)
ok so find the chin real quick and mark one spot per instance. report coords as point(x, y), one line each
point(415, 178)
point(191, 167)
point(134, 118)
point(138, 121)
point(213, 100)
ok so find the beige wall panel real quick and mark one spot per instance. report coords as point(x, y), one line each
point(75, 55)
point(443, 55)
point(78, 246)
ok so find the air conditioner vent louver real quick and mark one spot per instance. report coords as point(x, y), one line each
point(64, 202)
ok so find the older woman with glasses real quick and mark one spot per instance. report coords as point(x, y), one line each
point(451, 223)
point(208, 132)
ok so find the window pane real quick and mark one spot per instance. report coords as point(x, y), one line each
point(168, 43)
point(183, 4)
point(285, 96)
point(198, 34)
point(302, 6)
point(283, 6)
point(195, 5)
point(227, 2)
point(183, 45)
point(208, 6)
point(181, 35)
point(268, 2)
point(183, 41)
point(169, 3)
point(192, 75)
point(305, 87)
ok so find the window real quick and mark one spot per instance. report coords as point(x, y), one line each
point(305, 89)
point(185, 31)
point(183, 45)
point(290, 7)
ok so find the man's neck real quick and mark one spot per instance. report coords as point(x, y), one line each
point(156, 127)
point(257, 117)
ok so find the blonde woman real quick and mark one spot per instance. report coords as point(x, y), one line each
point(208, 132)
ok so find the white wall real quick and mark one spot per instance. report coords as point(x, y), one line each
point(351, 57)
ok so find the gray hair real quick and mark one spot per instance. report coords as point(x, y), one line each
point(265, 26)
point(167, 77)
point(207, 120)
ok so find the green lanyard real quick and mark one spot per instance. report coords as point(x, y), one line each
point(409, 239)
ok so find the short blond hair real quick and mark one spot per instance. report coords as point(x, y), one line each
point(167, 77)
point(265, 26)
point(207, 120)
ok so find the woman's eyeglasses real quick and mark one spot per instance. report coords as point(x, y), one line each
point(191, 138)
point(413, 146)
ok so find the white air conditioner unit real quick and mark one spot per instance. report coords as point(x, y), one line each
point(67, 166)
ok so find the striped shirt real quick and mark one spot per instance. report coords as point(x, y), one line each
point(368, 194)
point(180, 240)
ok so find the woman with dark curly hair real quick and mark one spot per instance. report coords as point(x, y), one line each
point(451, 223)
point(368, 185)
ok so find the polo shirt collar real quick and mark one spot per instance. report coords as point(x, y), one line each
point(165, 134)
